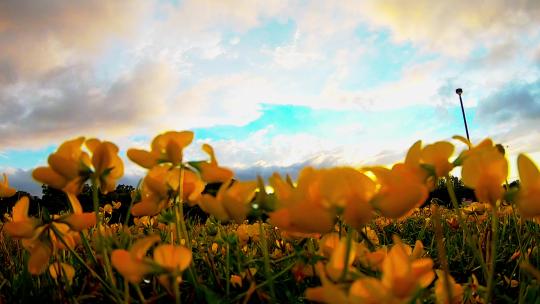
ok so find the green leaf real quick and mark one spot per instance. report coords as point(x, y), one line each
point(197, 164)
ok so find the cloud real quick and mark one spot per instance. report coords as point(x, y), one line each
point(290, 56)
point(238, 15)
point(511, 116)
point(455, 28)
point(37, 36)
point(416, 86)
point(251, 172)
point(514, 103)
point(70, 101)
point(222, 100)
point(22, 180)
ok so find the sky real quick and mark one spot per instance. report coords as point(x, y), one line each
point(273, 85)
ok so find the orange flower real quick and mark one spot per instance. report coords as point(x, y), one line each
point(328, 243)
point(132, 264)
point(337, 263)
point(65, 168)
point(246, 232)
point(210, 171)
point(40, 253)
point(441, 295)
point(232, 202)
point(158, 184)
point(349, 190)
point(40, 238)
point(301, 209)
point(166, 147)
point(403, 273)
point(485, 169)
point(62, 269)
point(236, 281)
point(5, 189)
point(328, 292)
point(21, 226)
point(70, 166)
point(400, 191)
point(108, 167)
point(437, 155)
point(372, 260)
point(172, 258)
point(402, 188)
point(369, 291)
point(528, 199)
point(78, 220)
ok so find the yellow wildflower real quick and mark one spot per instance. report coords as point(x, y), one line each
point(301, 209)
point(70, 166)
point(348, 189)
point(236, 280)
point(403, 273)
point(232, 202)
point(328, 292)
point(131, 264)
point(369, 291)
point(437, 155)
point(528, 199)
point(402, 188)
point(158, 184)
point(337, 263)
point(441, 294)
point(40, 253)
point(5, 189)
point(172, 258)
point(66, 167)
point(210, 171)
point(108, 166)
point(57, 269)
point(166, 147)
point(21, 225)
point(485, 169)
point(78, 220)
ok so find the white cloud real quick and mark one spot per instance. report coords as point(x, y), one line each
point(68, 102)
point(37, 36)
point(290, 56)
point(455, 27)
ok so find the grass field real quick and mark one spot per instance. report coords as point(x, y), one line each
point(335, 235)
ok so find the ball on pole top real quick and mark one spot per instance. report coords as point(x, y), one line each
point(459, 91)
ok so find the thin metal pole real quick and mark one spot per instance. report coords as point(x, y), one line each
point(459, 92)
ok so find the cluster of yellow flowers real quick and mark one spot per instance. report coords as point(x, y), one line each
point(309, 207)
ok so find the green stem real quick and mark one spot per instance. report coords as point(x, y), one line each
point(266, 255)
point(347, 254)
point(126, 221)
point(139, 293)
point(180, 223)
point(370, 244)
point(465, 227)
point(81, 260)
point(88, 248)
point(492, 254)
point(101, 242)
point(442, 252)
point(126, 292)
point(228, 268)
point(176, 289)
point(517, 228)
point(277, 275)
point(179, 211)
